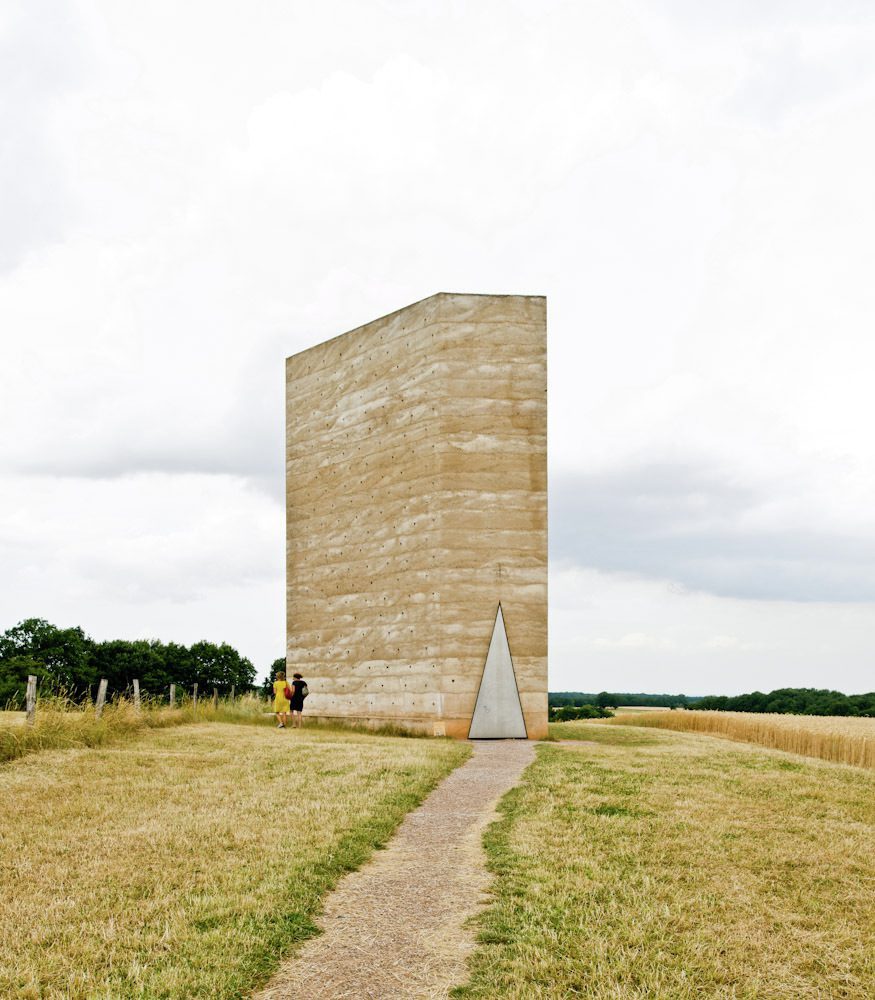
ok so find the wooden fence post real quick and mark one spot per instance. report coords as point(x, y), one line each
point(194, 697)
point(215, 698)
point(136, 694)
point(172, 695)
point(30, 699)
point(101, 697)
point(233, 689)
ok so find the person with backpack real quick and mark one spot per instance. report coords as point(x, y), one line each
point(282, 695)
point(299, 693)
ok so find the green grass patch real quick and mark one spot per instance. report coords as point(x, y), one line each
point(674, 869)
point(188, 862)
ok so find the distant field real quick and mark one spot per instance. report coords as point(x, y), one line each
point(636, 709)
point(835, 738)
point(641, 863)
point(184, 863)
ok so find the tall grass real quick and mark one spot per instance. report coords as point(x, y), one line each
point(61, 723)
point(834, 738)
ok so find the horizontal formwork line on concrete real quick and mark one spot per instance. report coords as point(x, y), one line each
point(368, 592)
point(448, 355)
point(363, 363)
point(315, 492)
point(329, 423)
point(418, 566)
point(396, 498)
point(389, 408)
point(527, 585)
point(331, 648)
point(414, 685)
point(365, 440)
point(432, 341)
point(386, 547)
point(430, 640)
point(304, 486)
point(387, 590)
point(389, 414)
point(308, 530)
point(497, 543)
point(412, 323)
point(456, 581)
point(439, 543)
point(446, 431)
point(413, 444)
point(522, 439)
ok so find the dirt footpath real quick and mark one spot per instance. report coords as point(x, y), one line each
point(394, 928)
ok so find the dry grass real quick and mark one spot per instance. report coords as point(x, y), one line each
point(61, 724)
point(834, 738)
point(187, 862)
point(642, 863)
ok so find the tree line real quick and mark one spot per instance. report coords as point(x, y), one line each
point(794, 701)
point(67, 661)
point(783, 701)
point(570, 713)
point(611, 699)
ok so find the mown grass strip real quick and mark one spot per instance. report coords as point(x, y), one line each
point(679, 868)
point(187, 863)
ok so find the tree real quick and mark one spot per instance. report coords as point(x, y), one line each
point(221, 667)
point(267, 684)
point(59, 657)
point(14, 672)
point(69, 662)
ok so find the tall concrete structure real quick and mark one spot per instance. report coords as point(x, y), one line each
point(416, 469)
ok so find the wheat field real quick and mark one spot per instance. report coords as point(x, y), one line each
point(838, 739)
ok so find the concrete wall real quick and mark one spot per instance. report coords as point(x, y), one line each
point(416, 502)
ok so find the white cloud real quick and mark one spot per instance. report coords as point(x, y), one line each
point(153, 554)
point(635, 640)
point(195, 191)
point(696, 643)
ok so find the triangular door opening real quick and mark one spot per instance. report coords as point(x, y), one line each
point(498, 714)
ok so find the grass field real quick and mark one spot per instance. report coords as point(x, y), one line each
point(644, 863)
point(184, 863)
point(835, 738)
point(60, 724)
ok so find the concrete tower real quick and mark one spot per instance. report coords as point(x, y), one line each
point(416, 488)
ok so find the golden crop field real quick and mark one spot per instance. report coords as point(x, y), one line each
point(838, 739)
point(186, 862)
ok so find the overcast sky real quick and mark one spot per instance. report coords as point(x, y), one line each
point(189, 192)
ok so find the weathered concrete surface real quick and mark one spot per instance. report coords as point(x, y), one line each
point(416, 501)
point(396, 928)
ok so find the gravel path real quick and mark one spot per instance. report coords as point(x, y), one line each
point(395, 927)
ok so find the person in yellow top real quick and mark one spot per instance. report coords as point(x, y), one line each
point(280, 701)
